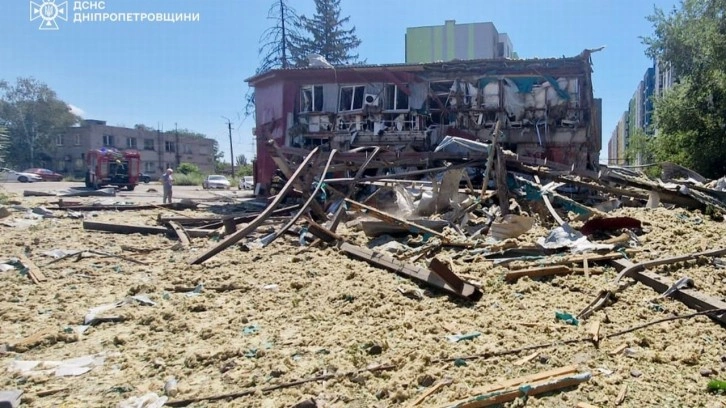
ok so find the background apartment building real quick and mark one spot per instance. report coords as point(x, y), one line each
point(159, 150)
point(639, 116)
point(456, 41)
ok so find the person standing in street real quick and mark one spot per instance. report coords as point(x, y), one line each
point(167, 180)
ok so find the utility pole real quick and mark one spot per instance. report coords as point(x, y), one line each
point(176, 146)
point(231, 152)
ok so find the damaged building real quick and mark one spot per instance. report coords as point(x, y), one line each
point(545, 108)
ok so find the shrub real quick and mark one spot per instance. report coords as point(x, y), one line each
point(188, 168)
point(182, 179)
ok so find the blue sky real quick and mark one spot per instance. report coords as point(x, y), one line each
point(192, 73)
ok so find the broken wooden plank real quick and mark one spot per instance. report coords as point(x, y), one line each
point(629, 268)
point(527, 359)
point(502, 189)
point(179, 205)
point(439, 385)
point(490, 160)
point(282, 164)
point(510, 394)
point(351, 189)
point(181, 234)
point(573, 260)
point(554, 270)
point(617, 350)
point(141, 229)
point(31, 341)
point(383, 216)
point(690, 297)
point(595, 331)
point(322, 232)
point(35, 274)
point(232, 239)
point(446, 274)
point(266, 240)
point(468, 290)
point(621, 395)
point(110, 255)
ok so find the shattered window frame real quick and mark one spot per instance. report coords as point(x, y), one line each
point(440, 90)
point(311, 98)
point(394, 96)
point(353, 95)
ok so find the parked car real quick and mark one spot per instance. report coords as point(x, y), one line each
point(144, 178)
point(216, 181)
point(45, 174)
point(7, 175)
point(246, 183)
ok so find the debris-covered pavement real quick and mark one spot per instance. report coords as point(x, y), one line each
point(550, 285)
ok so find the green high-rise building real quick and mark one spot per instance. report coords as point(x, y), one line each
point(456, 41)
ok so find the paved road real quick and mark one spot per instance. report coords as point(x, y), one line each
point(144, 193)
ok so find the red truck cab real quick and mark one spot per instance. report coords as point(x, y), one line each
point(111, 167)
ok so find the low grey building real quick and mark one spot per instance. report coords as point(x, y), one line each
point(159, 150)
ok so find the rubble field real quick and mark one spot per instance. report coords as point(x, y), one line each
point(263, 317)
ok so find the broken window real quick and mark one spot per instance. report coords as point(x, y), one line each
point(439, 94)
point(311, 99)
point(351, 98)
point(396, 99)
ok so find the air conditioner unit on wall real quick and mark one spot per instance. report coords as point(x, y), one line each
point(370, 99)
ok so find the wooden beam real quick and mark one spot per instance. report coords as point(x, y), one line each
point(690, 297)
point(446, 274)
point(629, 269)
point(513, 392)
point(351, 189)
point(574, 260)
point(490, 160)
point(287, 171)
point(468, 290)
point(232, 239)
point(322, 232)
point(554, 270)
point(181, 234)
point(267, 240)
point(383, 216)
point(502, 189)
point(34, 273)
point(141, 229)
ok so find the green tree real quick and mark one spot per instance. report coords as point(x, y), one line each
point(4, 144)
point(188, 168)
point(639, 150)
point(275, 42)
point(690, 119)
point(324, 35)
point(241, 160)
point(34, 116)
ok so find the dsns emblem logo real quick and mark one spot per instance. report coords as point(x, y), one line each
point(48, 12)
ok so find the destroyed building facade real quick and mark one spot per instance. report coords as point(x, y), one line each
point(546, 108)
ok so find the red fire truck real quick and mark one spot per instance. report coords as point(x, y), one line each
point(111, 167)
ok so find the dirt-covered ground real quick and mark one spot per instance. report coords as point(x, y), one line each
point(275, 315)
